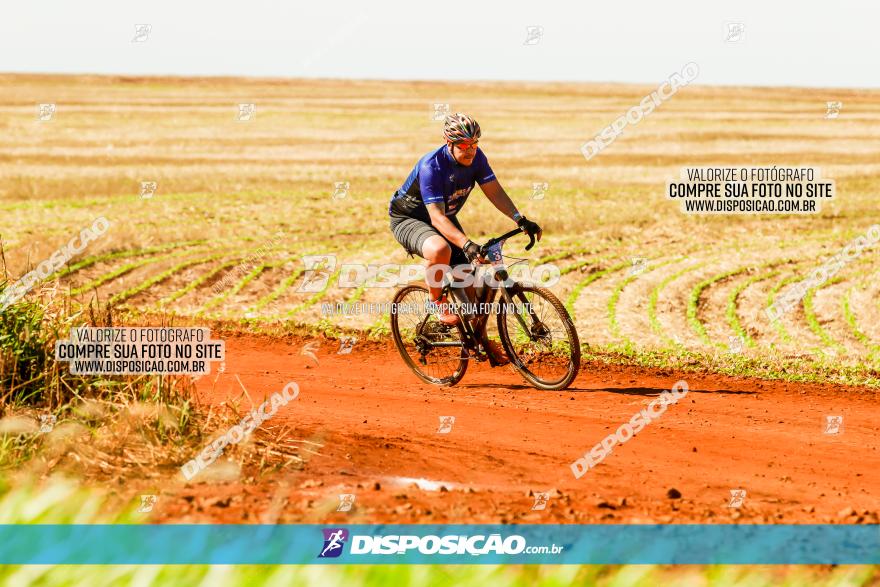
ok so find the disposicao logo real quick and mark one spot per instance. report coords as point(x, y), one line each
point(334, 540)
point(403, 544)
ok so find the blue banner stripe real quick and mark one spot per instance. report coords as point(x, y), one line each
point(302, 544)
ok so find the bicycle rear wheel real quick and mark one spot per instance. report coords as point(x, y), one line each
point(434, 351)
point(539, 337)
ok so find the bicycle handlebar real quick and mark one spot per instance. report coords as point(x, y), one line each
point(504, 237)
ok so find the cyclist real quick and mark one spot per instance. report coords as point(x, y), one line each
point(423, 211)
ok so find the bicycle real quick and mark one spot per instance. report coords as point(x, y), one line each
point(535, 329)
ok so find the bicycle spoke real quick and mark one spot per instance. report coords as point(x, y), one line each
point(543, 346)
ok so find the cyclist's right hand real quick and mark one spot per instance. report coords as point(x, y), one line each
point(471, 251)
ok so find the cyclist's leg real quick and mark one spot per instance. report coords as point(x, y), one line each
point(412, 233)
point(437, 252)
point(457, 259)
point(420, 238)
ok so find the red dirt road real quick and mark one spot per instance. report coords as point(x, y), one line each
point(378, 425)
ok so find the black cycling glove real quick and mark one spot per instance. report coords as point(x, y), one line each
point(529, 227)
point(471, 250)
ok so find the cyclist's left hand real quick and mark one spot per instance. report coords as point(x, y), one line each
point(529, 227)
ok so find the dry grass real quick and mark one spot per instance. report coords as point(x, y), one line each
point(235, 184)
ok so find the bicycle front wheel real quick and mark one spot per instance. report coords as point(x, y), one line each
point(539, 337)
point(434, 351)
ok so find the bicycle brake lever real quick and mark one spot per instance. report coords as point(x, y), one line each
point(531, 242)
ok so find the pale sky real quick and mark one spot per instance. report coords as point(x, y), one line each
point(811, 43)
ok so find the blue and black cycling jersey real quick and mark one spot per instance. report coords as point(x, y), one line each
point(439, 178)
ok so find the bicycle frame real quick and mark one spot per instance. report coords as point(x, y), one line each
point(474, 325)
point(545, 353)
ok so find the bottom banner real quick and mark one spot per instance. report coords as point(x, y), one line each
point(440, 544)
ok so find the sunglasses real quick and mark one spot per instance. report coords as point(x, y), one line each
point(467, 146)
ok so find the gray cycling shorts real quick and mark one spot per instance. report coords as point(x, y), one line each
point(412, 233)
